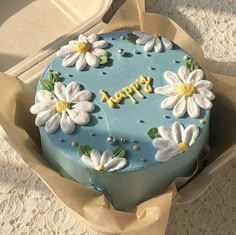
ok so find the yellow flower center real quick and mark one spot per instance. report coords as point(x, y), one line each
point(101, 167)
point(183, 146)
point(185, 89)
point(62, 105)
point(82, 47)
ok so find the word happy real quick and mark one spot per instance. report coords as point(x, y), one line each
point(128, 92)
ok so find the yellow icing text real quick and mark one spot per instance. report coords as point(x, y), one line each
point(62, 105)
point(185, 89)
point(128, 92)
point(183, 146)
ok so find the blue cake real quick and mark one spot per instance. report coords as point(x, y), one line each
point(123, 113)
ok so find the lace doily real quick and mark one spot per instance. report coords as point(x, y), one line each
point(211, 23)
point(27, 206)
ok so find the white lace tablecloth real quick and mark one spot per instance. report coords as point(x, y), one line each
point(27, 206)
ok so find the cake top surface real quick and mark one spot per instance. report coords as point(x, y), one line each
point(132, 84)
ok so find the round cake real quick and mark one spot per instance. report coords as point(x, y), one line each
point(124, 113)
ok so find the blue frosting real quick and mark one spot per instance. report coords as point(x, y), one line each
point(122, 121)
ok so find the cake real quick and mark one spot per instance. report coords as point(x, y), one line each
point(124, 113)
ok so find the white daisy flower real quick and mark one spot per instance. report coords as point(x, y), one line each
point(82, 52)
point(187, 92)
point(65, 107)
point(104, 162)
point(174, 141)
point(151, 41)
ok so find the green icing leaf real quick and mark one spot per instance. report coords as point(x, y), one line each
point(153, 133)
point(46, 85)
point(191, 64)
point(103, 59)
point(131, 38)
point(118, 151)
point(85, 150)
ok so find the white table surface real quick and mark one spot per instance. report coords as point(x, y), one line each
point(27, 206)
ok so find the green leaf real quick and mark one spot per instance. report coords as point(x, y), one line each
point(54, 77)
point(153, 133)
point(131, 38)
point(192, 64)
point(103, 59)
point(85, 150)
point(46, 85)
point(50, 76)
point(118, 151)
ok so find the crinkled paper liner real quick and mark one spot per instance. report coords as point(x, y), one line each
point(91, 207)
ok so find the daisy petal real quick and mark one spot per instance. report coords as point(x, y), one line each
point(141, 41)
point(161, 143)
point(149, 45)
point(66, 50)
point(98, 52)
point(204, 84)
point(44, 116)
point(172, 78)
point(95, 156)
point(40, 107)
point(60, 90)
point(45, 96)
point(71, 90)
point(202, 101)
point(106, 157)
point(142, 34)
point(206, 93)
point(67, 125)
point(170, 102)
point(190, 134)
point(70, 60)
point(195, 76)
point(181, 107)
point(73, 42)
point(192, 108)
point(87, 160)
point(183, 73)
point(167, 153)
point(81, 62)
point(165, 133)
point(53, 123)
point(84, 106)
point(92, 38)
point(84, 95)
point(178, 132)
point(78, 117)
point(91, 59)
point(116, 164)
point(100, 44)
point(158, 45)
point(167, 90)
point(167, 43)
point(82, 38)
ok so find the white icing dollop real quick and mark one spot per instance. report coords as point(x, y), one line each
point(104, 161)
point(187, 92)
point(67, 106)
point(151, 41)
point(174, 141)
point(82, 52)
